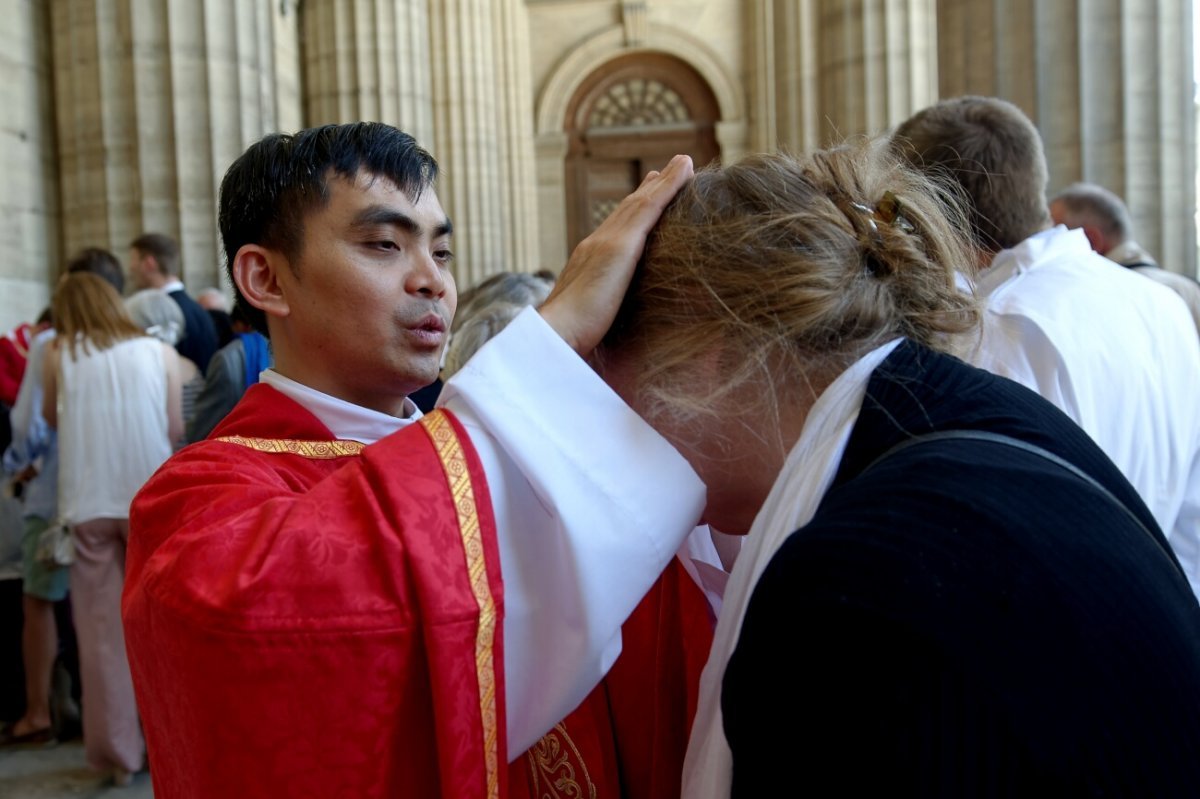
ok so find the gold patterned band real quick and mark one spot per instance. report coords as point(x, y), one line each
point(317, 450)
point(454, 463)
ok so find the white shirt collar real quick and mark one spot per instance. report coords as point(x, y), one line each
point(1033, 251)
point(171, 285)
point(345, 420)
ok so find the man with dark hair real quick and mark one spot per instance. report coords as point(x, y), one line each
point(1117, 353)
point(154, 264)
point(1104, 219)
point(100, 262)
point(313, 598)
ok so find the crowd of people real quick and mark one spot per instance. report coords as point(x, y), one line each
point(867, 471)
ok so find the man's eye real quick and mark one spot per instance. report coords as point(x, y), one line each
point(444, 256)
point(382, 245)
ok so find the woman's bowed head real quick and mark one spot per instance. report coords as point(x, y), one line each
point(766, 279)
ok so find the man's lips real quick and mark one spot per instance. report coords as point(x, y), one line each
point(430, 323)
point(429, 329)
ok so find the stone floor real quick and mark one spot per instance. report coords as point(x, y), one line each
point(56, 772)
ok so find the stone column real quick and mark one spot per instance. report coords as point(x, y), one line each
point(29, 207)
point(1109, 85)
point(518, 163)
point(823, 70)
point(154, 99)
point(368, 60)
point(467, 139)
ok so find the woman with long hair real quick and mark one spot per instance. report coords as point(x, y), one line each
point(946, 588)
point(114, 394)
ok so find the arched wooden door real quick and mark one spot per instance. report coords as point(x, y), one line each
point(628, 118)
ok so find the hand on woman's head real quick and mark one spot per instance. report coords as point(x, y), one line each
point(589, 290)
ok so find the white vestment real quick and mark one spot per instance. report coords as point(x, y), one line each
point(1118, 354)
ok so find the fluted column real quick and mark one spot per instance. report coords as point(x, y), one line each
point(154, 99)
point(29, 213)
point(1109, 85)
point(823, 70)
point(368, 60)
point(519, 169)
point(467, 141)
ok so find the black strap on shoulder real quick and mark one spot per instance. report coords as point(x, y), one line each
point(1033, 449)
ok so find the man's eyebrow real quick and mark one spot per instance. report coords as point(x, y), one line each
point(378, 215)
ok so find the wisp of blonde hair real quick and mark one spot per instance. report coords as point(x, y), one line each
point(88, 310)
point(786, 270)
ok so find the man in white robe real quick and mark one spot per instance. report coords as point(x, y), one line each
point(1117, 353)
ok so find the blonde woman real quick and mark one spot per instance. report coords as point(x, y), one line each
point(946, 588)
point(113, 393)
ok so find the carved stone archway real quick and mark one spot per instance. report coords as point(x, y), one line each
point(627, 118)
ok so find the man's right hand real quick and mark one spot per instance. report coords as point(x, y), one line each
point(590, 289)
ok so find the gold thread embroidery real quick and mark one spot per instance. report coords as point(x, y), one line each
point(454, 462)
point(317, 450)
point(550, 765)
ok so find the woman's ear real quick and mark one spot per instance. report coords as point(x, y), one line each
point(256, 271)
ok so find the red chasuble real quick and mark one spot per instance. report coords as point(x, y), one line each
point(311, 617)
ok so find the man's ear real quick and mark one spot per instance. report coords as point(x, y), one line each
point(256, 273)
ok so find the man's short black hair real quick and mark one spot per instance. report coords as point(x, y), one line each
point(270, 188)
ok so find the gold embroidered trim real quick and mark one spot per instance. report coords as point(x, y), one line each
point(317, 450)
point(553, 775)
point(454, 462)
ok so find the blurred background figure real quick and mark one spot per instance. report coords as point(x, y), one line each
point(154, 264)
point(215, 302)
point(1105, 221)
point(486, 309)
point(160, 316)
point(212, 299)
point(48, 645)
point(113, 393)
point(234, 368)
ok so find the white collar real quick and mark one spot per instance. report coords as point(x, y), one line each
point(345, 420)
point(1034, 251)
point(806, 475)
point(171, 285)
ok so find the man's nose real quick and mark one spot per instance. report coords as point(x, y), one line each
point(427, 276)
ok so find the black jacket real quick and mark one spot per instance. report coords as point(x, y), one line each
point(967, 619)
point(199, 340)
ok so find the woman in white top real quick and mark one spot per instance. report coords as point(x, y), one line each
point(114, 394)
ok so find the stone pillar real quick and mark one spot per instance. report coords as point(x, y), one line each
point(1109, 85)
point(467, 139)
point(154, 99)
point(519, 166)
point(368, 60)
point(29, 207)
point(823, 70)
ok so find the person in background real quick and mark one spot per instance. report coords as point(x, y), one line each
point(1117, 353)
point(486, 310)
point(212, 299)
point(234, 368)
point(1104, 219)
point(154, 263)
point(32, 462)
point(160, 317)
point(113, 394)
